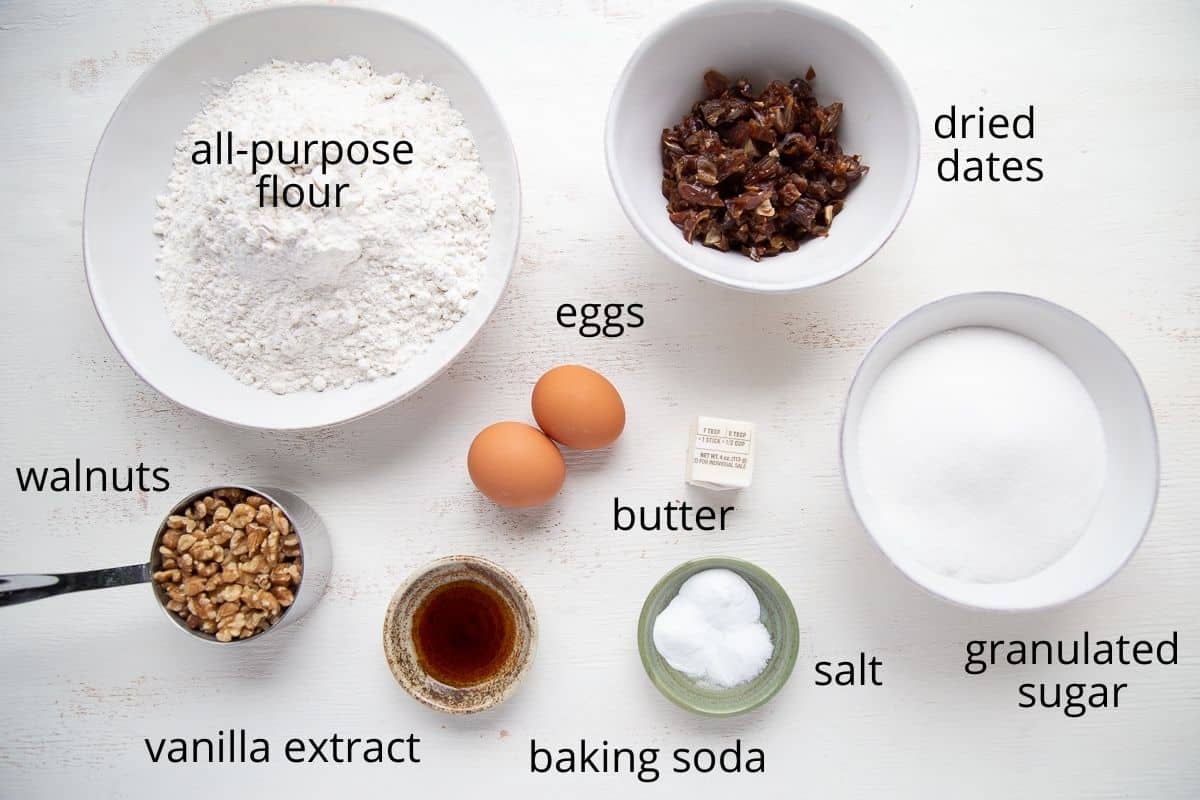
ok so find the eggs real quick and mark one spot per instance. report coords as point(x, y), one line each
point(578, 407)
point(515, 465)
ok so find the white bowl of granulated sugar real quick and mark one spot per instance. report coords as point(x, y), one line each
point(300, 215)
point(1001, 451)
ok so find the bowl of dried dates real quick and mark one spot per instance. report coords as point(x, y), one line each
point(766, 146)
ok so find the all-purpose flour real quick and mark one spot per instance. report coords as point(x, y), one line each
point(289, 299)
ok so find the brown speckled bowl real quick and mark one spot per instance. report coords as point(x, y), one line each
point(401, 654)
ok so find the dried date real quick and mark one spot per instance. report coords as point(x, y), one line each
point(756, 174)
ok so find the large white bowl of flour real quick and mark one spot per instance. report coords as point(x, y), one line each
point(1001, 451)
point(148, 318)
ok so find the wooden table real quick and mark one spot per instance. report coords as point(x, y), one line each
point(1110, 232)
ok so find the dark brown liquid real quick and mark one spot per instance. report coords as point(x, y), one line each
point(464, 633)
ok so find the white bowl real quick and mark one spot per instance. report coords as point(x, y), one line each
point(1131, 484)
point(764, 41)
point(134, 158)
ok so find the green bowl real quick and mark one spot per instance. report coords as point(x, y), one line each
point(778, 615)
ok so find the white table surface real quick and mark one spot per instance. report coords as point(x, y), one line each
point(1111, 232)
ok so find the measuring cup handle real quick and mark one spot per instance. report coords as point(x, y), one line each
point(23, 588)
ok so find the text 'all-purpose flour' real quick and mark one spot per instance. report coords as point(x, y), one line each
point(318, 296)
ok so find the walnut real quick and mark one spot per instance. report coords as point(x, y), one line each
point(255, 535)
point(229, 564)
point(241, 514)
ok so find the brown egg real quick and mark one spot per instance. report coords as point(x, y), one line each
point(578, 407)
point(515, 465)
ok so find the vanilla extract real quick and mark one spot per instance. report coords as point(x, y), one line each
point(464, 633)
point(236, 746)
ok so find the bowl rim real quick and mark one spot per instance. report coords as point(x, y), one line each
point(657, 36)
point(1146, 408)
point(102, 312)
point(691, 567)
point(501, 575)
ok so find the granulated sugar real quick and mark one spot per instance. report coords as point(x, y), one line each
point(288, 299)
point(982, 455)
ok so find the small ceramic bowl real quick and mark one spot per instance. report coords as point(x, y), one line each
point(764, 40)
point(401, 654)
point(778, 615)
point(1131, 487)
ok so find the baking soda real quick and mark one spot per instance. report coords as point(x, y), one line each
point(982, 455)
point(711, 630)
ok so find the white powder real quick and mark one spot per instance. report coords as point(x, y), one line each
point(307, 298)
point(711, 630)
point(982, 454)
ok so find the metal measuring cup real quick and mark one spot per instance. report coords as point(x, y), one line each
point(316, 559)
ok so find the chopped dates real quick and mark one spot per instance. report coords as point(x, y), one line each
point(756, 174)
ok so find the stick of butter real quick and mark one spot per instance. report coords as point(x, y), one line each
point(720, 453)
